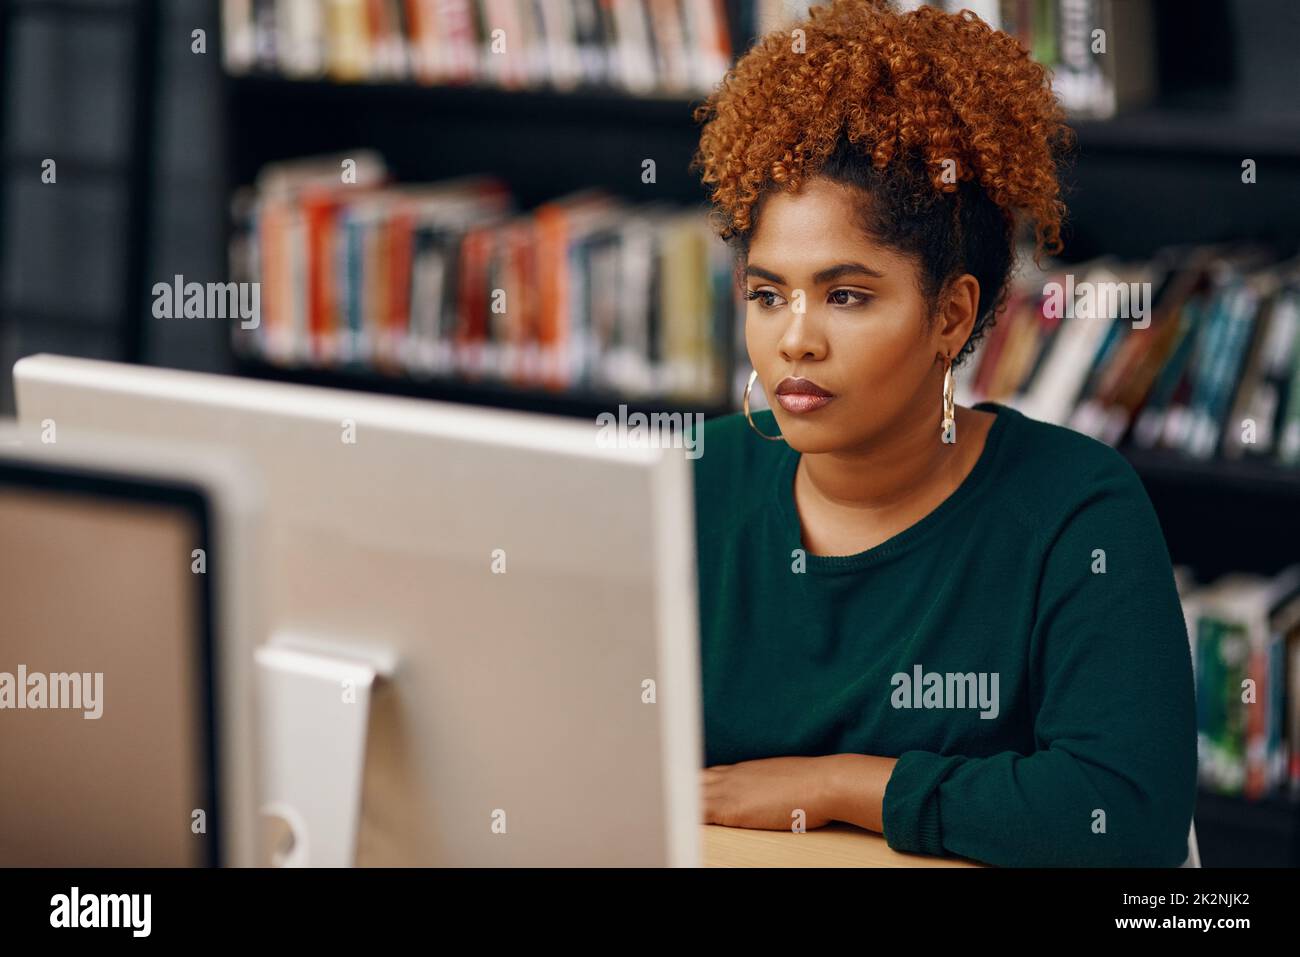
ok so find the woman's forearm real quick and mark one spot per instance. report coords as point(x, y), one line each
point(855, 790)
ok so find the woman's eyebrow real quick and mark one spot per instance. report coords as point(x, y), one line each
point(845, 269)
point(825, 275)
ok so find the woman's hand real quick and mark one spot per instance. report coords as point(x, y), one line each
point(766, 793)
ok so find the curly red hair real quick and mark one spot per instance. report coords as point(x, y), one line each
point(923, 85)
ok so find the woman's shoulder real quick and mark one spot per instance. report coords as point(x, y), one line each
point(1053, 470)
point(1058, 449)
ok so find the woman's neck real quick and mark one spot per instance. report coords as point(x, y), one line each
point(848, 497)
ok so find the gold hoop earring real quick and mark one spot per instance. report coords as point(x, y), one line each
point(948, 430)
point(748, 386)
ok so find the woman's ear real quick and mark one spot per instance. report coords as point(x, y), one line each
point(958, 307)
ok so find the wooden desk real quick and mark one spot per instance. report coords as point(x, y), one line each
point(835, 845)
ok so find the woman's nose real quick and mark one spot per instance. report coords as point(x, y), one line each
point(802, 339)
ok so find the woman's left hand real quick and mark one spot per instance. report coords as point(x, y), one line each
point(767, 793)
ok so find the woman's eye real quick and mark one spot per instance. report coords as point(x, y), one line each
point(860, 298)
point(766, 297)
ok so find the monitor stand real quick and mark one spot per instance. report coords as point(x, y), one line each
point(314, 714)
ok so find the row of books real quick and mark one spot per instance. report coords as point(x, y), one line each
point(1196, 350)
point(585, 294)
point(1245, 638)
point(642, 46)
point(1102, 53)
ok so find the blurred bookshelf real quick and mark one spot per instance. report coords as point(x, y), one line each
point(1171, 126)
point(546, 142)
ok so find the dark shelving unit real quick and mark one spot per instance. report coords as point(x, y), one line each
point(1223, 516)
point(575, 140)
point(576, 403)
point(1186, 131)
point(131, 174)
point(1234, 832)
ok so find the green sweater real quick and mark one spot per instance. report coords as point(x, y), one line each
point(1021, 650)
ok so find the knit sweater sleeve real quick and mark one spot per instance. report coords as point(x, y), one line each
point(1112, 778)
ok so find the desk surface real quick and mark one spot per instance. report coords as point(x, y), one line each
point(835, 845)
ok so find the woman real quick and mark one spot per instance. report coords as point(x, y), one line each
point(958, 627)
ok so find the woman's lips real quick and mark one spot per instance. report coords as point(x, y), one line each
point(801, 395)
point(799, 402)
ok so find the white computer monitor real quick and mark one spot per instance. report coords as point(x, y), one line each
point(126, 619)
point(524, 597)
